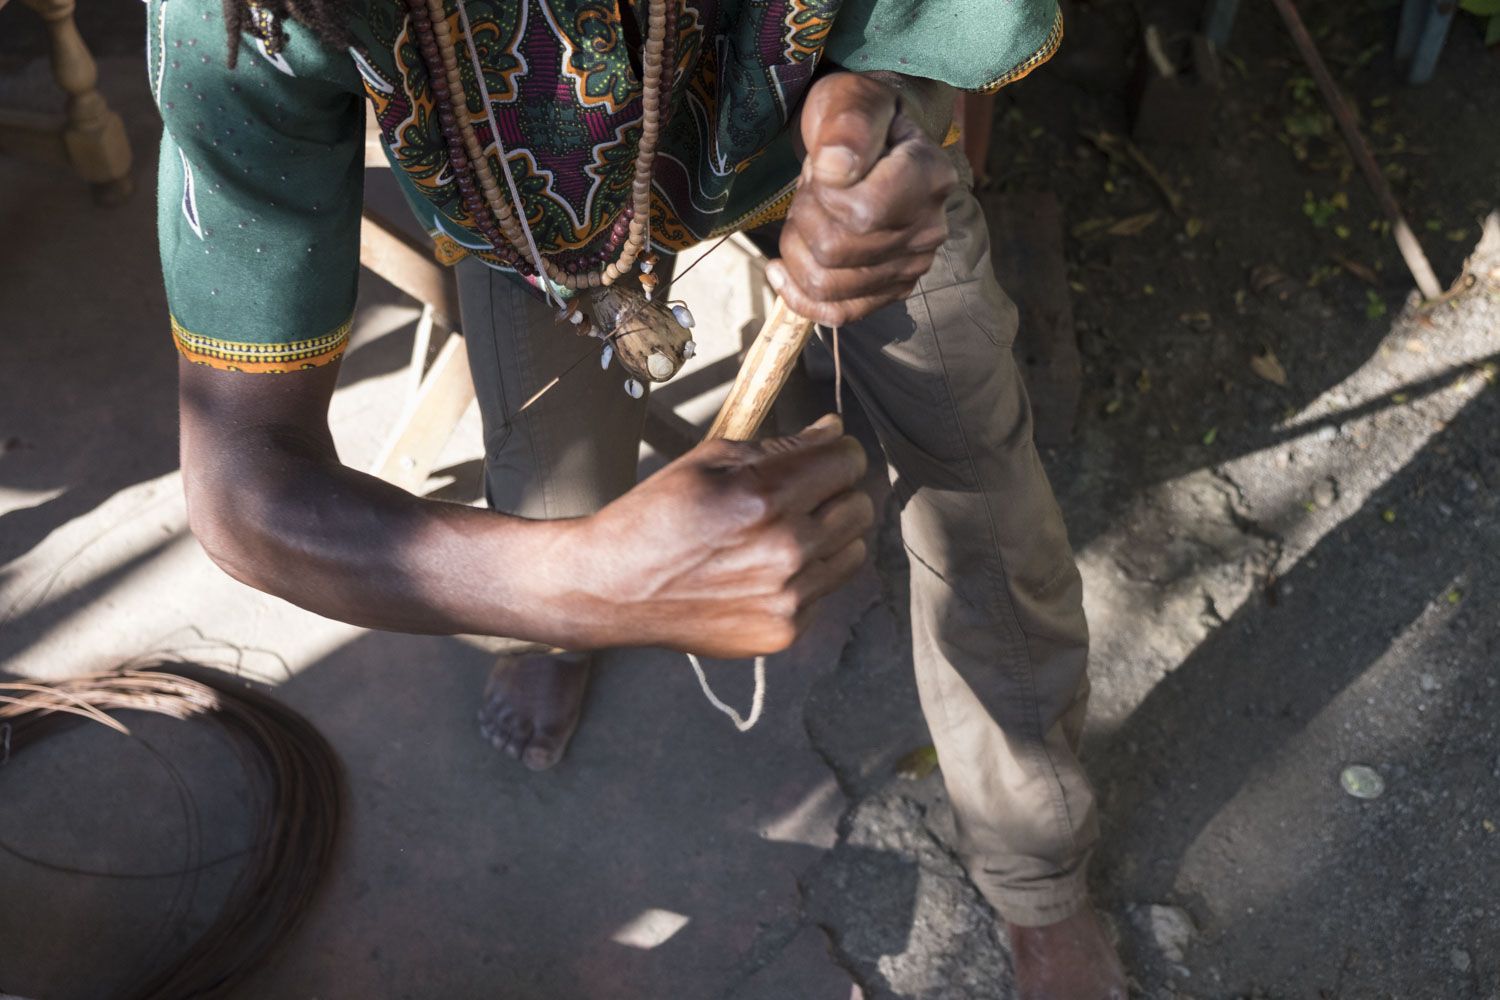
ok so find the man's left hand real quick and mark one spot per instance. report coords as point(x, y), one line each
point(868, 214)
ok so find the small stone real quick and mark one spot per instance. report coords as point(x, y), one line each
point(1325, 492)
point(689, 349)
point(1461, 959)
point(1429, 683)
point(682, 315)
point(1172, 929)
point(1362, 782)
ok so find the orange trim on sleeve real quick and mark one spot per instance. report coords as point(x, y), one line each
point(1031, 62)
point(270, 359)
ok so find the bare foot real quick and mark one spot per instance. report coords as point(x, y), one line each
point(1069, 960)
point(532, 703)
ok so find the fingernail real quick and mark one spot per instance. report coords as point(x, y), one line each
point(775, 276)
point(835, 164)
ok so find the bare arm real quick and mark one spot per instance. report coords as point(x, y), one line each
point(723, 552)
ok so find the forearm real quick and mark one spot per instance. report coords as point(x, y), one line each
point(279, 513)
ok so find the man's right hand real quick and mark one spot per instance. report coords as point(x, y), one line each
point(725, 551)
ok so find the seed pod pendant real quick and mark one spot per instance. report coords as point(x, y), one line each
point(649, 341)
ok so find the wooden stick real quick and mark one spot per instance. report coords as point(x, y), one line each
point(767, 366)
point(1406, 240)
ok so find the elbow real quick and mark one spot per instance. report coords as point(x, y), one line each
point(228, 524)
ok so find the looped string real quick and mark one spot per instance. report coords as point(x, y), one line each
point(757, 700)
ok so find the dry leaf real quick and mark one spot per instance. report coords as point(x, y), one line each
point(1268, 367)
point(1090, 227)
point(1357, 269)
point(1133, 225)
point(918, 764)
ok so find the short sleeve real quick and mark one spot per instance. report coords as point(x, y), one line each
point(975, 45)
point(259, 191)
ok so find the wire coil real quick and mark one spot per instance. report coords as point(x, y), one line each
point(292, 770)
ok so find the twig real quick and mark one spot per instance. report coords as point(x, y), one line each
point(1121, 150)
point(1406, 240)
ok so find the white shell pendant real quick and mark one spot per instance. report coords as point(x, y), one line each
point(634, 389)
point(689, 349)
point(607, 355)
point(660, 367)
point(682, 315)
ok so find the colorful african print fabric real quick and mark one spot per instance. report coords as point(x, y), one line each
point(261, 166)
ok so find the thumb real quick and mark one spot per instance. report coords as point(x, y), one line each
point(829, 427)
point(845, 122)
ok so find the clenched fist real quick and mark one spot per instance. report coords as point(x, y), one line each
point(868, 214)
point(725, 551)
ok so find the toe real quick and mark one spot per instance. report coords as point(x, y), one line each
point(540, 758)
point(517, 737)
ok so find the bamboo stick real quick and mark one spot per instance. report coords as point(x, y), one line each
point(767, 366)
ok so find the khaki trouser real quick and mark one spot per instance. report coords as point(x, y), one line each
point(999, 638)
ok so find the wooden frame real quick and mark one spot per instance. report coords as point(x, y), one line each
point(91, 138)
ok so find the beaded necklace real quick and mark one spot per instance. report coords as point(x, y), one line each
point(650, 341)
point(496, 217)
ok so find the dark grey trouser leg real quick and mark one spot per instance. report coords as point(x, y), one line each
point(575, 449)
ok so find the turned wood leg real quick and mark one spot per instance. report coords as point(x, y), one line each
point(93, 137)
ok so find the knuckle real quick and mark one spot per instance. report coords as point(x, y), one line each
point(818, 282)
point(783, 606)
point(786, 556)
point(915, 267)
point(861, 217)
point(929, 239)
point(824, 248)
point(750, 500)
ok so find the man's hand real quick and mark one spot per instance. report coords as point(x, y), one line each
point(725, 551)
point(868, 214)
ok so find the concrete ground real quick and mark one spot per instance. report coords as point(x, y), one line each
point(1306, 588)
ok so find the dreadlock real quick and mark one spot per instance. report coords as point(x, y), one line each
point(263, 20)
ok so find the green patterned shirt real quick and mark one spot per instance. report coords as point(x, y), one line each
point(261, 169)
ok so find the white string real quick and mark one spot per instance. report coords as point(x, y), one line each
point(515, 194)
point(838, 371)
point(838, 376)
point(757, 700)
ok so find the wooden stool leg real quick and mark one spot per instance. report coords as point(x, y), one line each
point(94, 137)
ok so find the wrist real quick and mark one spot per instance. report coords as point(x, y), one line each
point(573, 579)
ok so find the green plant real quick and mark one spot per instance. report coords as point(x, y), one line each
point(1489, 12)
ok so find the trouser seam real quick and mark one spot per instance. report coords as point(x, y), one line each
point(998, 592)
